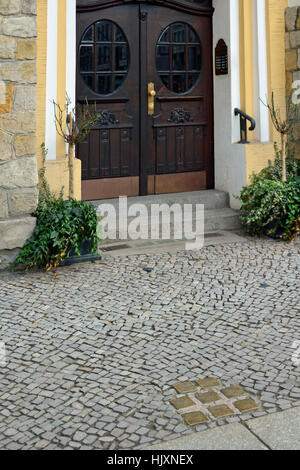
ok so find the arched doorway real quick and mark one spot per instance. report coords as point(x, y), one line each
point(148, 68)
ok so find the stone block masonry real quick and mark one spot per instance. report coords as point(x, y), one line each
point(18, 168)
point(292, 46)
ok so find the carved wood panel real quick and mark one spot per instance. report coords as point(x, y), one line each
point(179, 149)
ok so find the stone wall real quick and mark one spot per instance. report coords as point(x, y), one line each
point(18, 169)
point(292, 46)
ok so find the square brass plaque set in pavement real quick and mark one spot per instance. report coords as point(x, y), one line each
point(206, 399)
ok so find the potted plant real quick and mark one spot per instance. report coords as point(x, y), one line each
point(271, 207)
point(66, 231)
point(271, 203)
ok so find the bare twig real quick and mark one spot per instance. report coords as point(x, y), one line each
point(283, 126)
point(74, 126)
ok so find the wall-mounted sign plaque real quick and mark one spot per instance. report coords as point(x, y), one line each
point(221, 58)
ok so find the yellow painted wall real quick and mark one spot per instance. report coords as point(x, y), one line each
point(275, 19)
point(246, 58)
point(257, 154)
point(61, 69)
point(57, 175)
point(41, 71)
point(57, 172)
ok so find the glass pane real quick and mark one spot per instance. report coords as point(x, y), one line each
point(119, 79)
point(104, 63)
point(88, 80)
point(192, 35)
point(166, 80)
point(192, 79)
point(165, 37)
point(163, 58)
point(121, 57)
point(103, 84)
point(86, 58)
point(179, 62)
point(179, 83)
point(119, 35)
point(89, 36)
point(178, 32)
point(181, 54)
point(194, 58)
point(104, 31)
point(103, 54)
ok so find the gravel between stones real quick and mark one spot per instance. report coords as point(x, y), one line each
point(94, 349)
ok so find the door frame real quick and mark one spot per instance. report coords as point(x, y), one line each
point(205, 9)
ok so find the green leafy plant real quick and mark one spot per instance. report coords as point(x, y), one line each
point(274, 170)
point(62, 227)
point(271, 203)
point(45, 193)
point(271, 207)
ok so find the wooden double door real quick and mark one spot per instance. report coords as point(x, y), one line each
point(147, 66)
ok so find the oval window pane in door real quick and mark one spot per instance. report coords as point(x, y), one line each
point(192, 35)
point(179, 57)
point(103, 84)
point(103, 31)
point(121, 57)
point(163, 58)
point(89, 35)
point(192, 79)
point(179, 32)
point(166, 81)
point(194, 58)
point(104, 57)
point(119, 35)
point(119, 80)
point(179, 85)
point(86, 58)
point(88, 79)
point(165, 36)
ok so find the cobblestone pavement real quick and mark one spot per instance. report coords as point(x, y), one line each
point(94, 350)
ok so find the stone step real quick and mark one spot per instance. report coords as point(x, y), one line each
point(217, 214)
point(222, 219)
point(225, 219)
point(212, 199)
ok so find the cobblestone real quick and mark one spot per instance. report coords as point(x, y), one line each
point(94, 350)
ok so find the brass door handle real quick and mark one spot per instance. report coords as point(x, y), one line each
point(151, 98)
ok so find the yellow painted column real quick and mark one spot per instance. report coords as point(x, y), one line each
point(257, 154)
point(57, 171)
point(42, 76)
point(61, 70)
point(275, 19)
point(246, 58)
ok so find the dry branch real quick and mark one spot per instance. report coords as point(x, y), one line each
point(74, 126)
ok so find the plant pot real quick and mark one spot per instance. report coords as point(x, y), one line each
point(277, 234)
point(85, 254)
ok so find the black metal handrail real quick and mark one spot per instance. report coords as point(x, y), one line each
point(243, 124)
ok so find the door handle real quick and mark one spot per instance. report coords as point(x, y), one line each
point(151, 98)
